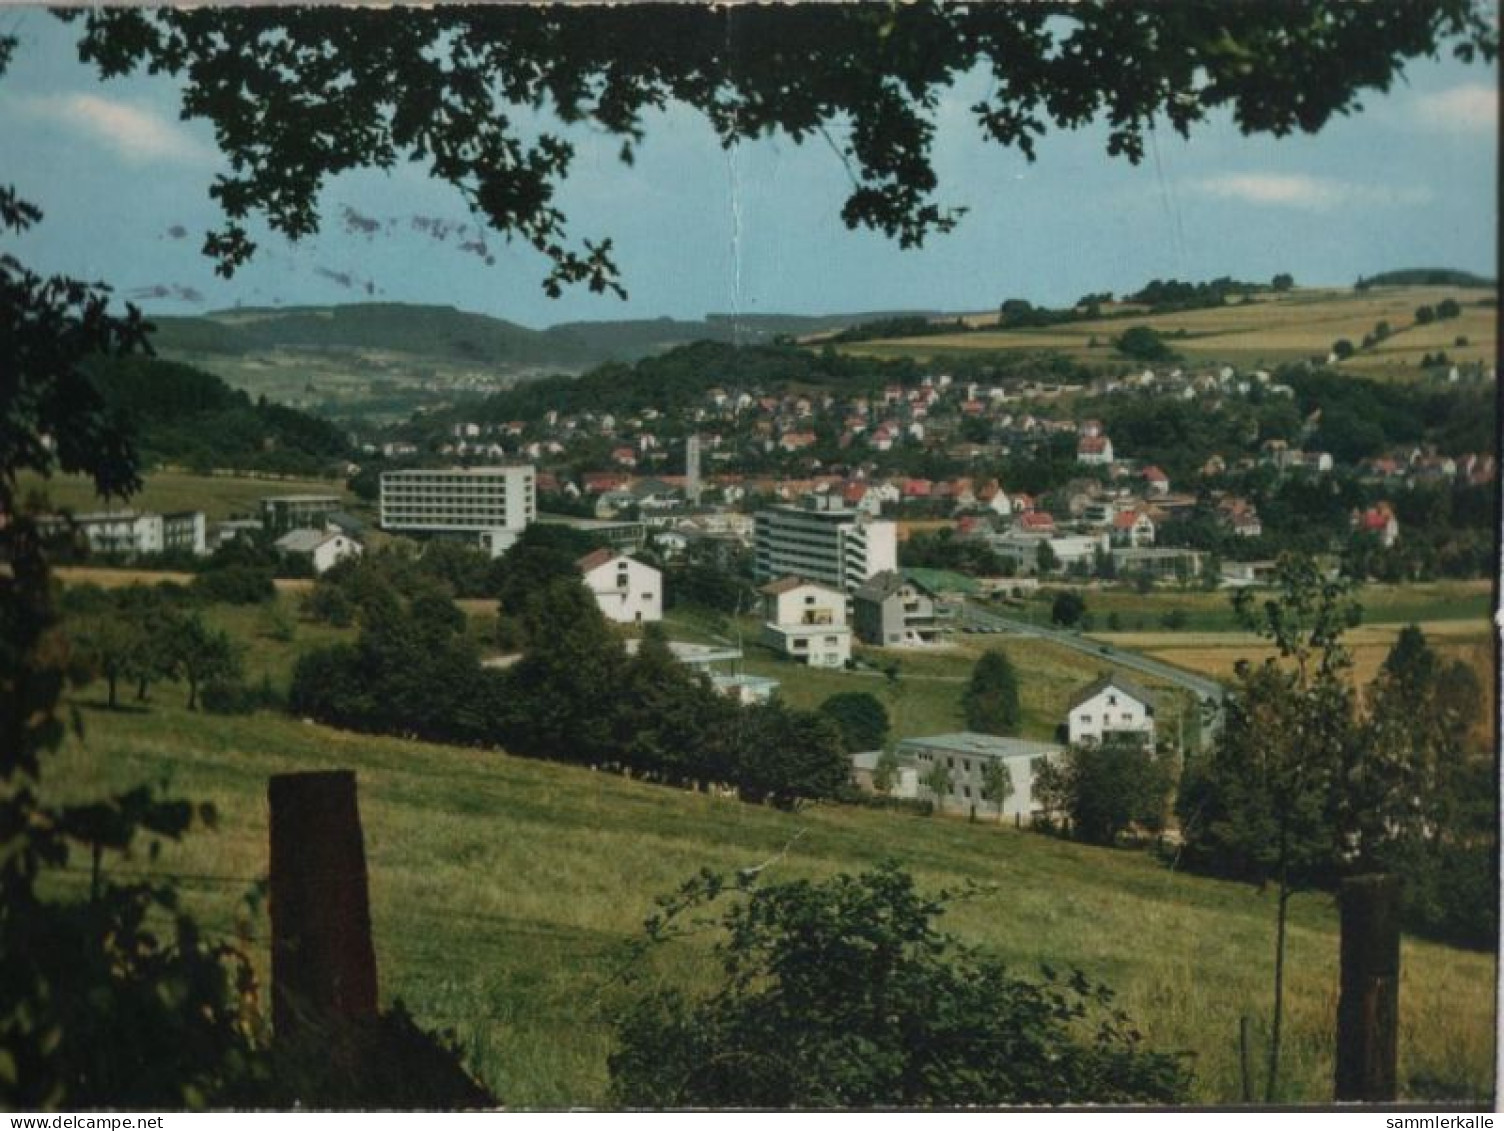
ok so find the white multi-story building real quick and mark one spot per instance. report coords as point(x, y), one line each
point(488, 506)
point(806, 621)
point(823, 540)
point(627, 590)
point(121, 532)
point(1108, 708)
point(139, 532)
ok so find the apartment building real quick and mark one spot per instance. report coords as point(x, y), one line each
point(487, 506)
point(823, 540)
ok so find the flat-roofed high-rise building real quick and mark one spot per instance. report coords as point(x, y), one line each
point(487, 506)
point(823, 541)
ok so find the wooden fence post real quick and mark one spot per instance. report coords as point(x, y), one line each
point(323, 960)
point(1368, 1004)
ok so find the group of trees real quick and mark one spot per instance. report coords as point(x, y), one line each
point(1101, 790)
point(574, 695)
point(1443, 310)
point(186, 417)
point(139, 636)
point(1394, 779)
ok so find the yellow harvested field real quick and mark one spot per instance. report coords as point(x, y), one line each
point(1217, 654)
point(108, 578)
point(1371, 635)
point(1271, 329)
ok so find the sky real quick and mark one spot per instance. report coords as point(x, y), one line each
point(1411, 181)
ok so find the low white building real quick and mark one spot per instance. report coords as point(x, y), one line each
point(628, 591)
point(806, 621)
point(1110, 707)
point(324, 548)
point(1023, 547)
point(138, 532)
point(964, 759)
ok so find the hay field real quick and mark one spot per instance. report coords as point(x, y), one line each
point(1269, 330)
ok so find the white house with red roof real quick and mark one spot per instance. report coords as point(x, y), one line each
point(1132, 528)
point(1035, 522)
point(1094, 451)
point(626, 590)
point(1156, 482)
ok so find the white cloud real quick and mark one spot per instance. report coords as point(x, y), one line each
point(1312, 194)
point(1472, 108)
point(138, 135)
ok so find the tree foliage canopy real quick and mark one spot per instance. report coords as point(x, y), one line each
point(990, 700)
point(458, 90)
point(843, 994)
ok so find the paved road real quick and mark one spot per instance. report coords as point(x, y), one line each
point(1208, 691)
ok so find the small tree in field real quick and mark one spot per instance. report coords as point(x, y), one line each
point(201, 655)
point(997, 784)
point(936, 779)
point(1046, 561)
point(885, 773)
point(990, 700)
point(843, 994)
point(1068, 608)
point(861, 717)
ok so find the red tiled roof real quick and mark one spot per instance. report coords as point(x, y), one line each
point(595, 559)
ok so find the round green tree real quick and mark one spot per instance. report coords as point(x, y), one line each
point(990, 700)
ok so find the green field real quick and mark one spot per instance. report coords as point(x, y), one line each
point(1269, 331)
point(218, 496)
point(504, 890)
point(926, 698)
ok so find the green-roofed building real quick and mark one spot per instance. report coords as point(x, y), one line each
point(944, 582)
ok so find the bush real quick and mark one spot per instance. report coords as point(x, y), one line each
point(232, 697)
point(861, 717)
point(235, 585)
point(843, 994)
point(1106, 788)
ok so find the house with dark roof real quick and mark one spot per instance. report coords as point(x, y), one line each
point(1108, 708)
point(890, 608)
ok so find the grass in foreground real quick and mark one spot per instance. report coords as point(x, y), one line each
point(503, 889)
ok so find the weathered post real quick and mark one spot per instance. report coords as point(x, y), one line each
point(1368, 1003)
point(323, 960)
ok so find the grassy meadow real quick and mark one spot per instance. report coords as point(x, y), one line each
point(504, 890)
point(218, 496)
point(1270, 330)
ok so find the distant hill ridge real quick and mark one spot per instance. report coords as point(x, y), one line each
point(1425, 277)
point(455, 335)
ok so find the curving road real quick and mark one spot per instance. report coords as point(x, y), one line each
point(1208, 691)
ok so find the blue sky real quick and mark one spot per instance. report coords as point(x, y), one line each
point(1409, 182)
